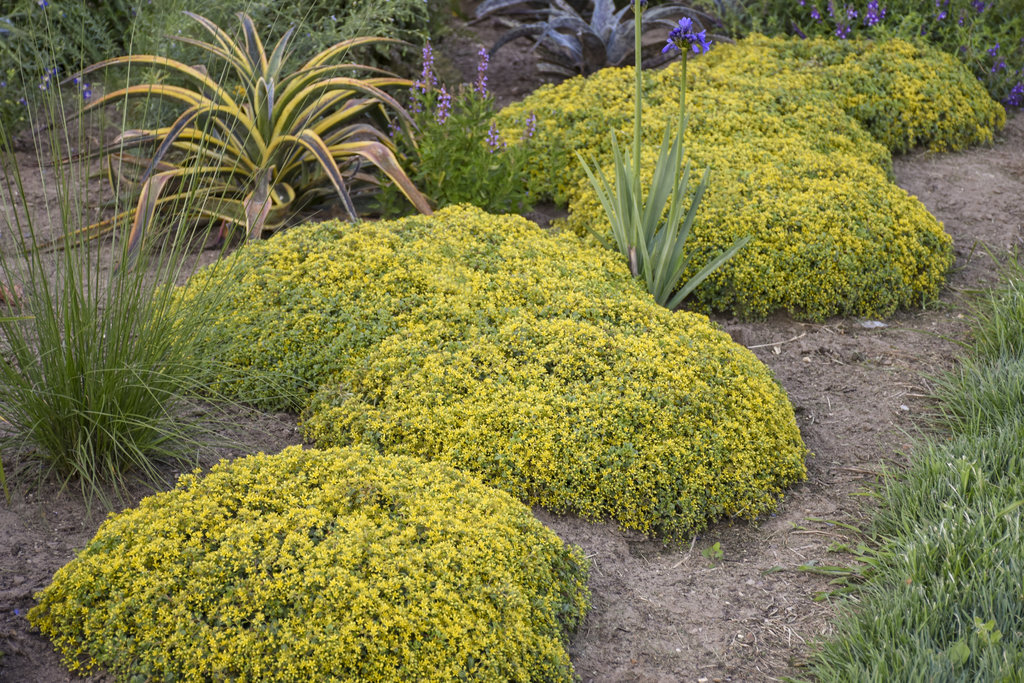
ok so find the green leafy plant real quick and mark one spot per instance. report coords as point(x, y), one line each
point(95, 362)
point(257, 155)
point(458, 154)
point(986, 35)
point(651, 231)
point(713, 553)
point(312, 565)
point(570, 44)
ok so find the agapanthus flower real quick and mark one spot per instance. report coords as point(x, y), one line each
point(1016, 96)
point(480, 86)
point(683, 37)
point(444, 106)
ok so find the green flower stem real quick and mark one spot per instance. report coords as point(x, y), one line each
point(682, 110)
point(637, 31)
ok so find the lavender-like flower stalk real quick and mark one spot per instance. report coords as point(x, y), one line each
point(480, 86)
point(531, 126)
point(444, 106)
point(494, 140)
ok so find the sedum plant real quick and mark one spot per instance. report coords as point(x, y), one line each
point(255, 155)
point(320, 565)
point(652, 231)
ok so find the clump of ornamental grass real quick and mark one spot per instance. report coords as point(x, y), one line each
point(309, 565)
point(96, 362)
point(941, 598)
point(457, 154)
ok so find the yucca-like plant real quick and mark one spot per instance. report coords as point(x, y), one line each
point(256, 154)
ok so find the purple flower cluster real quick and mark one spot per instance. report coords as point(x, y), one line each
point(531, 126)
point(993, 51)
point(494, 141)
point(444, 106)
point(427, 79)
point(978, 5)
point(480, 86)
point(874, 14)
point(842, 31)
point(684, 38)
point(1016, 96)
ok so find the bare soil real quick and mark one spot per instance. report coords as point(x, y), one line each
point(669, 613)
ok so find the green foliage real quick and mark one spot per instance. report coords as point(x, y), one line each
point(457, 155)
point(320, 565)
point(254, 156)
point(987, 36)
point(94, 368)
point(775, 119)
point(534, 361)
point(943, 601)
point(650, 227)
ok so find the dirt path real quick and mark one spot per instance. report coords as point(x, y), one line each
point(670, 614)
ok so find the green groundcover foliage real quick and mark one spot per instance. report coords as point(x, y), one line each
point(320, 565)
point(798, 136)
point(534, 361)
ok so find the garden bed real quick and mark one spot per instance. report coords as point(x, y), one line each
point(685, 613)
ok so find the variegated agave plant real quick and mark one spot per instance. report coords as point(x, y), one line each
point(255, 154)
point(570, 42)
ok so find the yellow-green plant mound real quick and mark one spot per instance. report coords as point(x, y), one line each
point(320, 565)
point(532, 360)
point(798, 137)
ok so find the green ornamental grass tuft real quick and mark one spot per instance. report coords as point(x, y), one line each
point(311, 565)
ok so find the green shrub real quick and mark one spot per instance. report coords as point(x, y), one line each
point(320, 565)
point(987, 36)
point(534, 361)
point(798, 137)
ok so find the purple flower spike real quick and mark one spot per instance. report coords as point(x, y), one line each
point(494, 140)
point(1016, 96)
point(480, 86)
point(683, 37)
point(427, 78)
point(531, 126)
point(874, 14)
point(444, 106)
point(842, 31)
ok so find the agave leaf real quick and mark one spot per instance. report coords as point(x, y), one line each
point(345, 46)
point(257, 204)
point(191, 72)
point(381, 156)
point(240, 60)
point(151, 190)
point(518, 32)
point(312, 142)
point(492, 6)
point(328, 87)
point(603, 20)
point(228, 56)
point(255, 52)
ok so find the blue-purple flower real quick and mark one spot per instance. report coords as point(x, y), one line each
point(428, 79)
point(842, 31)
point(684, 38)
point(444, 106)
point(873, 14)
point(993, 51)
point(531, 126)
point(494, 141)
point(480, 86)
point(1016, 96)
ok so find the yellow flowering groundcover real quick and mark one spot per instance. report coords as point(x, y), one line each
point(320, 565)
point(532, 360)
point(798, 135)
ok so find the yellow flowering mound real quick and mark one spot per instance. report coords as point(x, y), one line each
point(798, 136)
point(320, 565)
point(531, 360)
